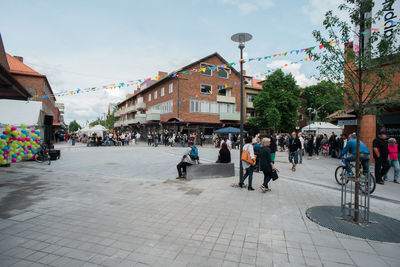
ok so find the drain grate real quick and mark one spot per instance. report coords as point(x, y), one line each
point(380, 228)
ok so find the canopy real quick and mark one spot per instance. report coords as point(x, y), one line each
point(98, 129)
point(16, 112)
point(323, 128)
point(229, 130)
point(84, 130)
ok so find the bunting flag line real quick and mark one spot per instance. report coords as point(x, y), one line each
point(138, 82)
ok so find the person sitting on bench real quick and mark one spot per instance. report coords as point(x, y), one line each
point(190, 157)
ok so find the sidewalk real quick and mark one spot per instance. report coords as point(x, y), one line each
point(61, 215)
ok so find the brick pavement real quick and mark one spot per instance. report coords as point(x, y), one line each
point(66, 215)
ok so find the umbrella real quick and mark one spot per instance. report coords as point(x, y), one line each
point(229, 130)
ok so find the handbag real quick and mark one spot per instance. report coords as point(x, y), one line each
point(246, 158)
point(274, 175)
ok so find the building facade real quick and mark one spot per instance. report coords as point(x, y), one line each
point(200, 101)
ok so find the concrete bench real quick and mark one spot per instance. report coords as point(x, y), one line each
point(210, 170)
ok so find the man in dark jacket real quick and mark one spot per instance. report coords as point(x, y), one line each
point(381, 156)
point(266, 164)
point(294, 148)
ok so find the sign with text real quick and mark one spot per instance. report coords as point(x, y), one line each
point(347, 122)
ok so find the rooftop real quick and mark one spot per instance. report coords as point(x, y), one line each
point(18, 67)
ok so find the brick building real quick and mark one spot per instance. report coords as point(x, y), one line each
point(155, 105)
point(10, 88)
point(388, 118)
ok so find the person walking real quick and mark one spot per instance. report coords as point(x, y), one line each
point(381, 156)
point(257, 148)
point(310, 146)
point(273, 147)
point(249, 167)
point(393, 159)
point(188, 159)
point(294, 147)
point(156, 138)
point(301, 152)
point(266, 164)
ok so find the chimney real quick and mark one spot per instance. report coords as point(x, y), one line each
point(162, 74)
point(20, 58)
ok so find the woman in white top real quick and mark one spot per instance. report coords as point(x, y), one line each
point(248, 167)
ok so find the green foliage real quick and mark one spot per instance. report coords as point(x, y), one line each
point(74, 126)
point(360, 76)
point(278, 103)
point(324, 98)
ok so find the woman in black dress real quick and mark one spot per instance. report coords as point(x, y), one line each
point(266, 165)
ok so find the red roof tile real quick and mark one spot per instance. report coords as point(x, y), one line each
point(18, 67)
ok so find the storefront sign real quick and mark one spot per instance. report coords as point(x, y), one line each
point(347, 122)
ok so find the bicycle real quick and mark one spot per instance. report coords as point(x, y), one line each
point(340, 176)
point(43, 154)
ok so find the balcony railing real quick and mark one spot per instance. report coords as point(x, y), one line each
point(249, 105)
point(140, 105)
point(131, 108)
point(153, 116)
point(227, 116)
point(226, 99)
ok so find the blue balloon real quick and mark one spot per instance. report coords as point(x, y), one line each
point(24, 152)
point(3, 136)
point(37, 132)
point(15, 156)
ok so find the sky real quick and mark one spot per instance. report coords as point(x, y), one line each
point(80, 44)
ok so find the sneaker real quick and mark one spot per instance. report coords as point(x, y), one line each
point(397, 182)
point(380, 182)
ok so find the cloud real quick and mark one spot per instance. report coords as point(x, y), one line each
point(294, 69)
point(250, 5)
point(316, 9)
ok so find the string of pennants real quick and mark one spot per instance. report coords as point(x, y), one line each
point(137, 82)
point(177, 74)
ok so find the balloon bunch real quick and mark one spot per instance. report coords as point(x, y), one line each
point(14, 144)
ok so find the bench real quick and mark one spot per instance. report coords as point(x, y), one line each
point(210, 170)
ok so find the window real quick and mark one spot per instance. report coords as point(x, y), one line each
point(250, 98)
point(155, 95)
point(227, 108)
point(171, 88)
point(206, 88)
point(224, 91)
point(140, 100)
point(222, 73)
point(204, 106)
point(162, 108)
point(194, 106)
point(206, 69)
point(149, 97)
point(162, 91)
point(213, 107)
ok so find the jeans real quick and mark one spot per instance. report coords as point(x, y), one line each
point(301, 155)
point(396, 166)
point(182, 167)
point(267, 178)
point(156, 142)
point(381, 168)
point(364, 161)
point(294, 156)
point(249, 173)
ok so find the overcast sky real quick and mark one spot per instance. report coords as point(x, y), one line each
point(80, 44)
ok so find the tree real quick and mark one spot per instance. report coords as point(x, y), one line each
point(365, 69)
point(277, 105)
point(97, 122)
point(324, 98)
point(74, 126)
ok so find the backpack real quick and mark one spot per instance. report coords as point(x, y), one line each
point(194, 153)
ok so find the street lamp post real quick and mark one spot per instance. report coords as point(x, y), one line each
point(241, 38)
point(309, 120)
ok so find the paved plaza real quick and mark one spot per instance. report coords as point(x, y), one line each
point(122, 206)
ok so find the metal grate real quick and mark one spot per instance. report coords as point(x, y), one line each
point(380, 227)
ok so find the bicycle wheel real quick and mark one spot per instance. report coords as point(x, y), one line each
point(39, 157)
point(372, 184)
point(339, 172)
